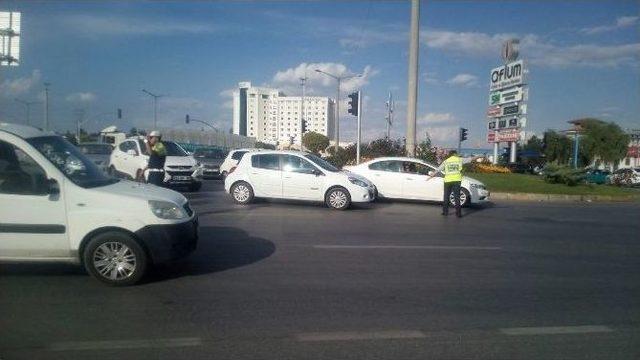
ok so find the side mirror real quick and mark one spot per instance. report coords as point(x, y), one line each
point(132, 152)
point(317, 172)
point(431, 173)
point(53, 187)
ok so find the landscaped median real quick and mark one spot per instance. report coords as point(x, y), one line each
point(534, 188)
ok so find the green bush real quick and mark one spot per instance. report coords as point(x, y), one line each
point(557, 174)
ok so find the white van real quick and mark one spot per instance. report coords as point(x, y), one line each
point(57, 206)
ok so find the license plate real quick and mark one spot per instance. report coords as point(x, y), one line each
point(181, 178)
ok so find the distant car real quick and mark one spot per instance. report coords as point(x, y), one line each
point(625, 177)
point(408, 178)
point(99, 153)
point(232, 159)
point(295, 175)
point(596, 176)
point(130, 157)
point(210, 161)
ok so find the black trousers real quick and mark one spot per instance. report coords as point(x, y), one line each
point(449, 187)
point(156, 178)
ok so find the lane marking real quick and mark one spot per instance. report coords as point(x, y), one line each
point(125, 344)
point(360, 335)
point(554, 330)
point(409, 247)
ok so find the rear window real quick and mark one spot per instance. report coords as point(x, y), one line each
point(266, 161)
point(390, 166)
point(238, 155)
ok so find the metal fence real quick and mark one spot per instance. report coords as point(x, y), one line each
point(197, 138)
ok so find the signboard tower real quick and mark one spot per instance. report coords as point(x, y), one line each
point(508, 93)
point(9, 38)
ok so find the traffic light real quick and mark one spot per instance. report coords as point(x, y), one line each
point(353, 104)
point(463, 134)
point(186, 119)
point(119, 113)
point(304, 126)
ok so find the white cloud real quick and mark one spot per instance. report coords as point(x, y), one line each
point(83, 97)
point(19, 86)
point(430, 78)
point(621, 22)
point(89, 24)
point(465, 80)
point(442, 127)
point(289, 79)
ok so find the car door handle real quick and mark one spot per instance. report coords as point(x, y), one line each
point(376, 174)
point(287, 177)
point(410, 179)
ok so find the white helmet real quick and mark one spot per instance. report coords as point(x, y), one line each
point(155, 133)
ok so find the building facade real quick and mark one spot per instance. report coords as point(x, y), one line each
point(269, 116)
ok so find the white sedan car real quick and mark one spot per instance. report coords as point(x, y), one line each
point(408, 178)
point(295, 175)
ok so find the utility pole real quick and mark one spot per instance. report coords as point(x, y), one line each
point(27, 105)
point(155, 106)
point(46, 106)
point(359, 140)
point(337, 117)
point(303, 128)
point(79, 113)
point(412, 90)
point(389, 115)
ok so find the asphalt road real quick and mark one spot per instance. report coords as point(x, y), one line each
point(281, 280)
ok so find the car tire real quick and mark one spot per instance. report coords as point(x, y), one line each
point(242, 193)
point(338, 198)
point(195, 187)
point(465, 198)
point(115, 258)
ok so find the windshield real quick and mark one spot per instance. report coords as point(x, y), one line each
point(209, 154)
point(71, 161)
point(95, 149)
point(174, 149)
point(322, 163)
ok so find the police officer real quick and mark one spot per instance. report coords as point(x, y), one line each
point(157, 156)
point(452, 170)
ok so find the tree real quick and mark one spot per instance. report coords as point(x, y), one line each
point(534, 144)
point(605, 141)
point(315, 142)
point(383, 147)
point(425, 152)
point(557, 147)
point(261, 145)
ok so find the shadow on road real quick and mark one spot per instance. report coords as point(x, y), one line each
point(219, 249)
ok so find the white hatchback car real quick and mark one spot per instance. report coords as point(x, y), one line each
point(295, 175)
point(57, 206)
point(232, 160)
point(407, 178)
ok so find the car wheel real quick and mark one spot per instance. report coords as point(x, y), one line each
point(115, 258)
point(195, 187)
point(338, 198)
point(465, 198)
point(242, 193)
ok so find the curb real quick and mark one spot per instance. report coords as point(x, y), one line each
point(561, 197)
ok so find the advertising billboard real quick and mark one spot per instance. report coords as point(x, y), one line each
point(508, 75)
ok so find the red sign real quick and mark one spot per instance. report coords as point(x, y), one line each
point(491, 137)
point(494, 111)
point(508, 135)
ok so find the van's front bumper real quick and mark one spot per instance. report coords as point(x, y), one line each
point(167, 242)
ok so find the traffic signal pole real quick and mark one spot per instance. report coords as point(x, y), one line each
point(359, 139)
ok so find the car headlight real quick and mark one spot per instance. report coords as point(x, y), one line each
point(358, 182)
point(478, 186)
point(167, 210)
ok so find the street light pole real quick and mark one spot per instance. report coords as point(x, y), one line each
point(27, 105)
point(337, 117)
point(46, 106)
point(155, 106)
point(413, 78)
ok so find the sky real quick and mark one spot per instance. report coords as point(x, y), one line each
point(583, 59)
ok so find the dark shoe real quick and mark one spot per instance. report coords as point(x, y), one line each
point(458, 215)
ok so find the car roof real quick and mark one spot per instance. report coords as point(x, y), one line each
point(393, 158)
point(283, 152)
point(23, 131)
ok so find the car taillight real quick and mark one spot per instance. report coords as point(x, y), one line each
point(232, 169)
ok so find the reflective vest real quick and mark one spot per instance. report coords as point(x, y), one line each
point(452, 169)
